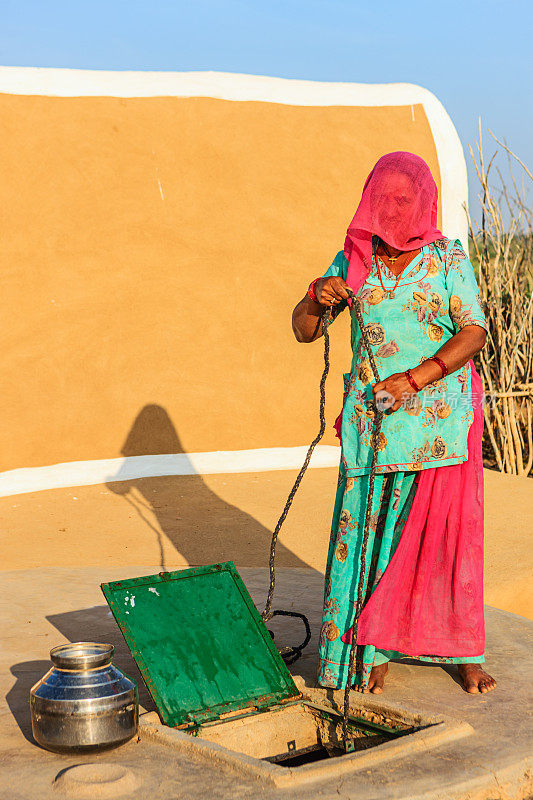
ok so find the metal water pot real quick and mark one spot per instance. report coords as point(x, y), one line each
point(84, 702)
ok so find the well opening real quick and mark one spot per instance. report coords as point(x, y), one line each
point(299, 733)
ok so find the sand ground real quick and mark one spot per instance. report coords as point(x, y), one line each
point(178, 521)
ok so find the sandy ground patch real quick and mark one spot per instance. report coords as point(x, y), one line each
point(176, 521)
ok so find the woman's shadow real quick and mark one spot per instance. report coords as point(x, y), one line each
point(200, 526)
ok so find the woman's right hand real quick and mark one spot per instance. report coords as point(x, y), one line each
point(330, 291)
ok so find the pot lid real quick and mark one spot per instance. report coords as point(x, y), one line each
point(199, 642)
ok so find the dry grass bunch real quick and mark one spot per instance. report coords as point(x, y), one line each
point(502, 247)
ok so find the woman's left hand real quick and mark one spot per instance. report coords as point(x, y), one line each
point(398, 386)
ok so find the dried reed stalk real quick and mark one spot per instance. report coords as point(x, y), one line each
point(503, 248)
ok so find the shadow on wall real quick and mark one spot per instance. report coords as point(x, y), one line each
point(199, 525)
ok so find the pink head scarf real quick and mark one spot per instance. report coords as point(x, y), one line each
point(398, 204)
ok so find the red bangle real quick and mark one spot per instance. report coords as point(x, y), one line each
point(311, 290)
point(411, 380)
point(441, 364)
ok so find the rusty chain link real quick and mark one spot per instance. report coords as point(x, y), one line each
point(291, 654)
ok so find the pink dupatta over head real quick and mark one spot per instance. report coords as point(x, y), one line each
point(398, 204)
point(429, 600)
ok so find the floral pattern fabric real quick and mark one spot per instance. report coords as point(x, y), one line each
point(393, 496)
point(435, 298)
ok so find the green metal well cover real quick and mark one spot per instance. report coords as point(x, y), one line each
point(199, 642)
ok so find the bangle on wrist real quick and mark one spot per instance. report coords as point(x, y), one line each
point(311, 290)
point(411, 380)
point(441, 364)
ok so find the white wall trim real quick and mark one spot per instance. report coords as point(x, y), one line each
point(235, 86)
point(90, 473)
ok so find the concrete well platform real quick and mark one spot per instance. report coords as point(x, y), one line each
point(488, 757)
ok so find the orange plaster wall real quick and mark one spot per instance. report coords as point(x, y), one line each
point(153, 250)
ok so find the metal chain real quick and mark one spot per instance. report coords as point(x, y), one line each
point(378, 419)
point(326, 318)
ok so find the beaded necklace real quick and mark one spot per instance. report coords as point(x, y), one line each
point(388, 293)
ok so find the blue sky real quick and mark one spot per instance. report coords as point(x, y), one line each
point(475, 56)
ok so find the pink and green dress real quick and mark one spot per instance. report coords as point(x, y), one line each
point(435, 298)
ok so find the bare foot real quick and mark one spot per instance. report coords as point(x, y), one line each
point(375, 681)
point(475, 679)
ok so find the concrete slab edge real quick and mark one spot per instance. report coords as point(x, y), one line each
point(441, 732)
point(150, 729)
point(403, 712)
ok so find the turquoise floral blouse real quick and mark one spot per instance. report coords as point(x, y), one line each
point(435, 298)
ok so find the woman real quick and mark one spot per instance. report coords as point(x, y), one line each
point(423, 316)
